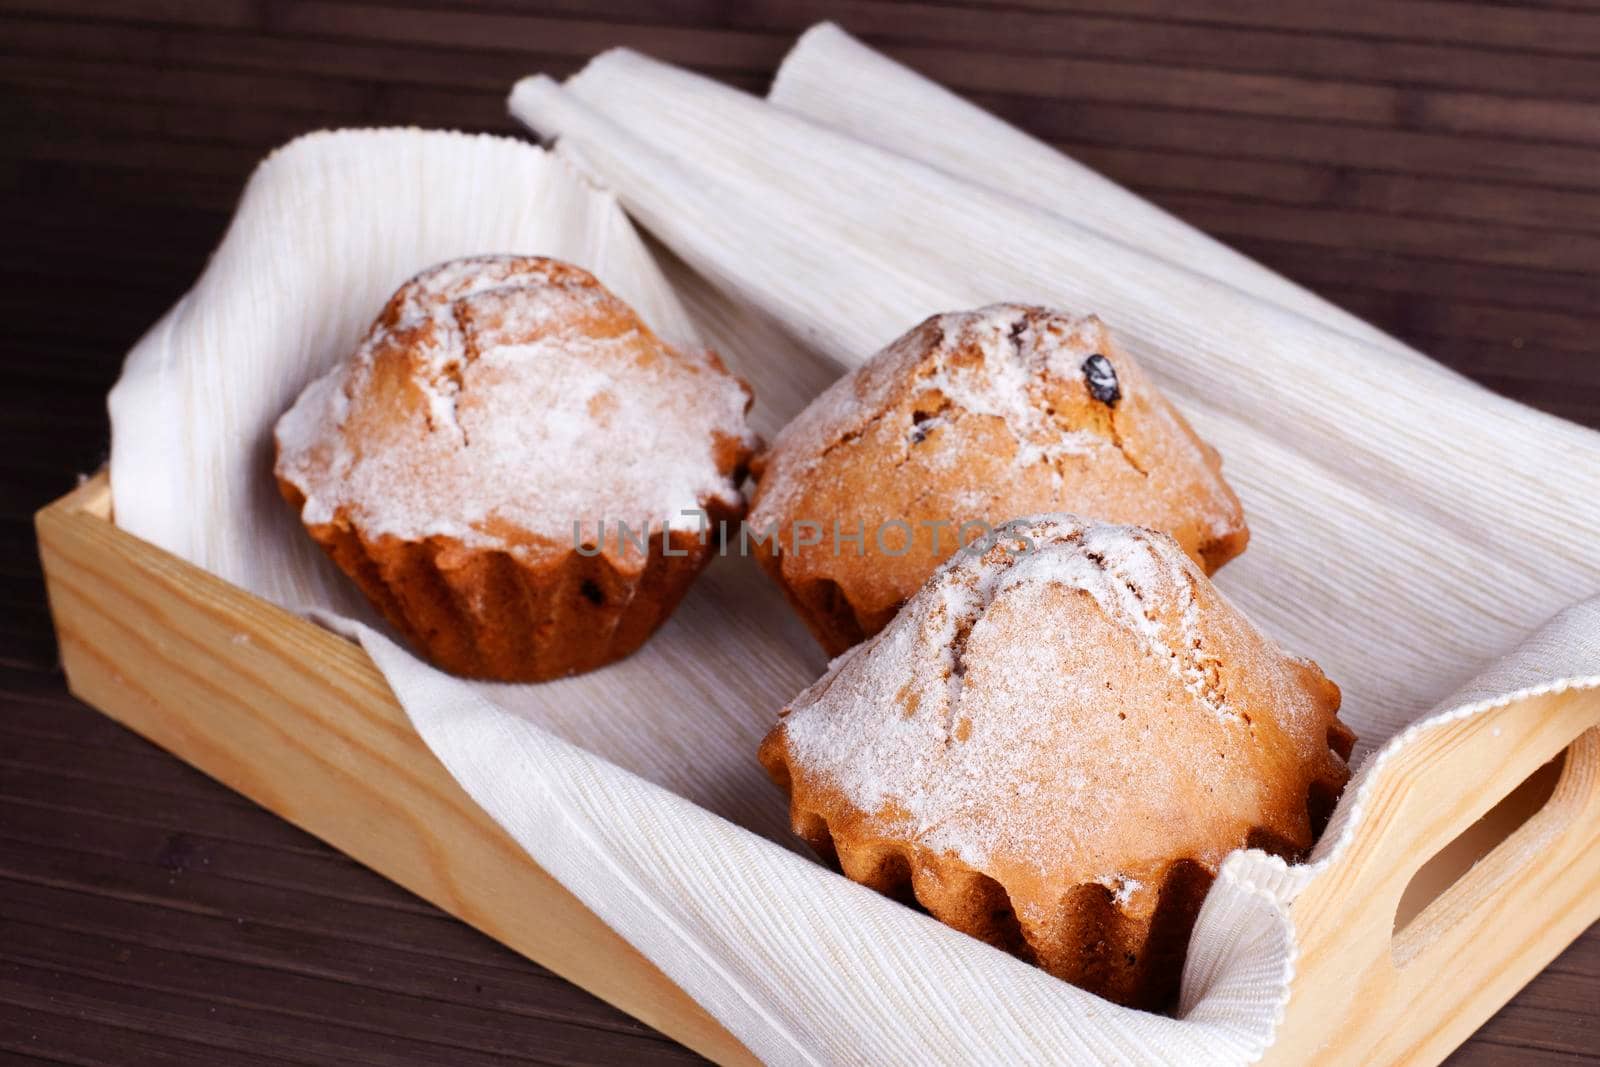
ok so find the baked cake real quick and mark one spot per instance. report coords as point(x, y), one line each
point(974, 417)
point(472, 465)
point(1053, 747)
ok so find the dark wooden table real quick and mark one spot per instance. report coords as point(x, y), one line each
point(1434, 166)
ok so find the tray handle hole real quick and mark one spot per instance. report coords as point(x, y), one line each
point(1519, 822)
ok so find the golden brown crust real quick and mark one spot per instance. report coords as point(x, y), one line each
point(494, 405)
point(983, 415)
point(1054, 752)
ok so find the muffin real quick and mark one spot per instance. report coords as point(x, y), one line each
point(515, 470)
point(1054, 745)
point(970, 420)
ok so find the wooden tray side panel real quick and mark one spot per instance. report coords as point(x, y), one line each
point(300, 721)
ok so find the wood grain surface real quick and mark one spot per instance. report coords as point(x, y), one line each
point(1432, 165)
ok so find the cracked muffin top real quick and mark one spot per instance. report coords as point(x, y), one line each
point(499, 400)
point(975, 417)
point(1056, 742)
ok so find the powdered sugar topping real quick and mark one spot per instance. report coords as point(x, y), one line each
point(501, 400)
point(1017, 349)
point(1016, 353)
point(997, 721)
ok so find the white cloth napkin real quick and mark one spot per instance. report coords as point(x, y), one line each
point(1409, 529)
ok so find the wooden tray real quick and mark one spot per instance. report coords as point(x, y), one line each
point(1478, 862)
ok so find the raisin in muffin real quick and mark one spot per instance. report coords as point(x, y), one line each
point(974, 417)
point(470, 466)
point(1054, 745)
